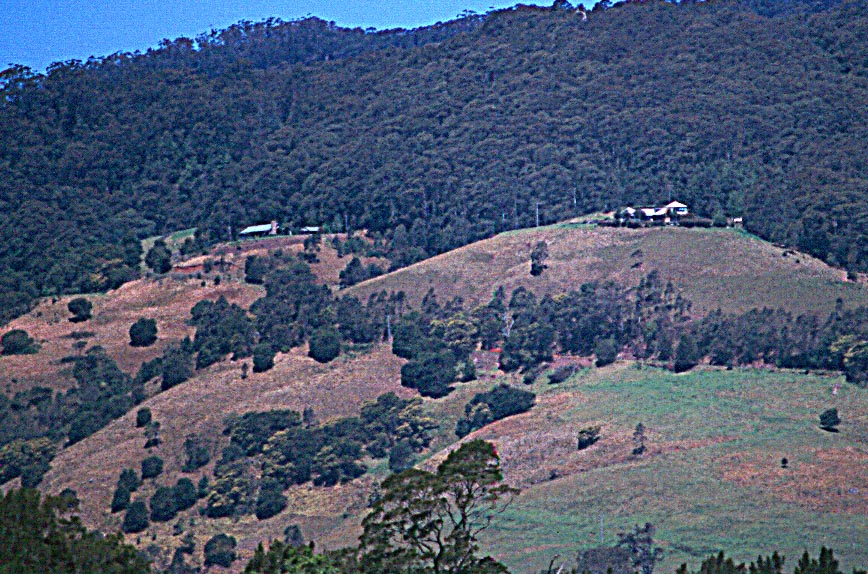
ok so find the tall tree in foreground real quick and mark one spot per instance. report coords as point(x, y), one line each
point(34, 537)
point(430, 522)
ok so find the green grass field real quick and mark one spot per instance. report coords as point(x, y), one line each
point(711, 479)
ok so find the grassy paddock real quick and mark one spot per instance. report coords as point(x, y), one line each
point(712, 477)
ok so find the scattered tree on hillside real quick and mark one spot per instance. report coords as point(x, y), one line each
point(80, 309)
point(152, 467)
point(829, 420)
point(325, 345)
point(639, 440)
point(538, 256)
point(143, 333)
point(136, 518)
point(640, 543)
point(220, 551)
point(18, 342)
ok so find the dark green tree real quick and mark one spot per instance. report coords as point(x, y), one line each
point(220, 551)
point(285, 558)
point(143, 333)
point(270, 501)
point(197, 454)
point(826, 564)
point(186, 494)
point(80, 309)
point(829, 420)
point(686, 354)
point(163, 505)
point(37, 536)
point(136, 518)
point(538, 256)
point(152, 467)
point(18, 342)
point(430, 373)
point(143, 417)
point(263, 357)
point(159, 257)
point(606, 351)
point(325, 345)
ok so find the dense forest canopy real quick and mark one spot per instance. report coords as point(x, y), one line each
point(439, 136)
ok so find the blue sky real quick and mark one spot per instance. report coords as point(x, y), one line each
point(36, 33)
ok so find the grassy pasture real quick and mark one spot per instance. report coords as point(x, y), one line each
point(712, 476)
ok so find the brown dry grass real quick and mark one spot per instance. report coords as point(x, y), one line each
point(828, 480)
point(166, 300)
point(200, 406)
point(714, 268)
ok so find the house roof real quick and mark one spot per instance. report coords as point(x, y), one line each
point(256, 229)
point(675, 205)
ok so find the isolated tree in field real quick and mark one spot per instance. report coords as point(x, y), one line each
point(538, 256)
point(159, 258)
point(431, 521)
point(18, 342)
point(80, 309)
point(640, 543)
point(639, 440)
point(143, 333)
point(829, 420)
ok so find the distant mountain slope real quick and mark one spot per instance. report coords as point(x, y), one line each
point(714, 268)
point(438, 137)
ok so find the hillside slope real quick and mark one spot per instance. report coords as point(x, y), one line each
point(715, 268)
point(715, 438)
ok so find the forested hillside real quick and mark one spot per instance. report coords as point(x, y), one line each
point(436, 137)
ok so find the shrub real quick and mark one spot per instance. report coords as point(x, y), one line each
point(255, 269)
point(136, 518)
point(197, 454)
point(177, 366)
point(143, 417)
point(430, 374)
point(186, 494)
point(163, 505)
point(159, 258)
point(401, 457)
point(129, 479)
point(263, 357)
point(538, 257)
point(588, 436)
point(120, 499)
point(271, 500)
point(220, 551)
point(143, 333)
point(152, 467)
point(18, 342)
point(500, 402)
point(80, 309)
point(686, 354)
point(829, 420)
point(561, 374)
point(325, 345)
point(606, 351)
